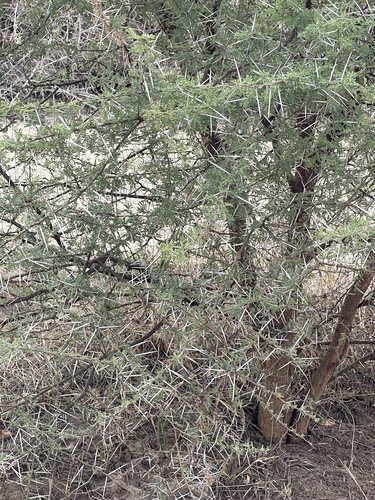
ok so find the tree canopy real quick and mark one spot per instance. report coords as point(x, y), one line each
point(205, 167)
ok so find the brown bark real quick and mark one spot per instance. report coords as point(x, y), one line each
point(336, 350)
point(273, 420)
point(274, 417)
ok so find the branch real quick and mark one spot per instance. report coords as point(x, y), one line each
point(90, 367)
point(370, 356)
point(25, 298)
point(294, 31)
point(22, 228)
point(9, 180)
point(350, 342)
point(11, 183)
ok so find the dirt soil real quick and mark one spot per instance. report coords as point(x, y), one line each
point(337, 461)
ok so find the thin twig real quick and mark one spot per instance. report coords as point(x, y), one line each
point(368, 357)
point(90, 366)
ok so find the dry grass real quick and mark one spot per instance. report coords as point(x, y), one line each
point(143, 418)
point(172, 417)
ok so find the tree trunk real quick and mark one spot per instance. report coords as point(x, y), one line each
point(274, 416)
point(273, 420)
point(336, 350)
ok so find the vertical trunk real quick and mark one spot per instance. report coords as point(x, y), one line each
point(273, 420)
point(302, 187)
point(274, 416)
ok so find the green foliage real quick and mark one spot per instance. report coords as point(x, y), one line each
point(149, 164)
